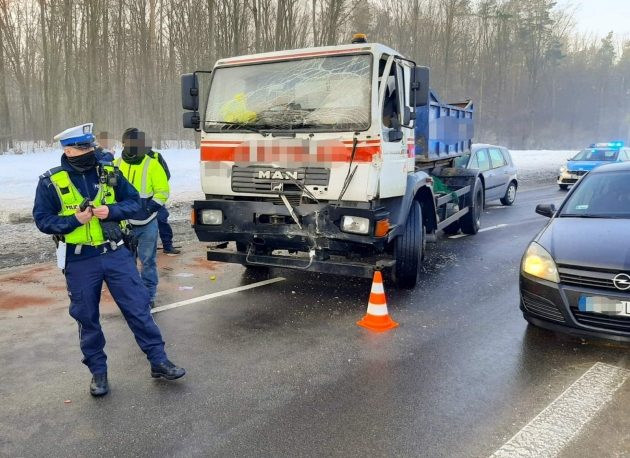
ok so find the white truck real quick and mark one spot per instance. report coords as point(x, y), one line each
point(334, 159)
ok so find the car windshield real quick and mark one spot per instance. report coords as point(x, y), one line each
point(325, 93)
point(592, 154)
point(600, 195)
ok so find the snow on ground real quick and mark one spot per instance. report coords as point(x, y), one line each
point(21, 243)
point(19, 174)
point(539, 166)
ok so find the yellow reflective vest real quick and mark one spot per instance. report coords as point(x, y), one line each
point(91, 232)
point(149, 179)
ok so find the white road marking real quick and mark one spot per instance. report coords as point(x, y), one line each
point(498, 226)
point(163, 308)
point(552, 429)
point(458, 236)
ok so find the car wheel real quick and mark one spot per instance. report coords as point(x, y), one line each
point(471, 222)
point(409, 249)
point(510, 194)
point(564, 187)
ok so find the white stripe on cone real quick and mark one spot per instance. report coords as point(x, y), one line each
point(376, 309)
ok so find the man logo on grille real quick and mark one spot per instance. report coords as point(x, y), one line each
point(278, 187)
point(278, 175)
point(622, 282)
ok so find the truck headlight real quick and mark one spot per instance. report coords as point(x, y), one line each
point(539, 263)
point(211, 217)
point(355, 224)
point(563, 169)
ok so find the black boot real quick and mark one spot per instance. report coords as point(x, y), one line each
point(167, 370)
point(99, 385)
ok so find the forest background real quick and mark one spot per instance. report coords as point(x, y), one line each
point(536, 81)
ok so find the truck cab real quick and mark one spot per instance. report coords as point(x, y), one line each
point(316, 159)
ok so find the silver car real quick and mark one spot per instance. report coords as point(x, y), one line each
point(498, 170)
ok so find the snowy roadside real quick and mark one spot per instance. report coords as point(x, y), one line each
point(21, 243)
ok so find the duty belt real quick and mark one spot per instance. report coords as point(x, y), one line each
point(78, 250)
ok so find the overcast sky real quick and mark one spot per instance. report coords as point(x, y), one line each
point(601, 16)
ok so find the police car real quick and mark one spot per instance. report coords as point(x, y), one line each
point(589, 158)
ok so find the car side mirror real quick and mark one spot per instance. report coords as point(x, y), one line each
point(547, 210)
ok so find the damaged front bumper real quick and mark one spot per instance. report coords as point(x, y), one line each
point(261, 228)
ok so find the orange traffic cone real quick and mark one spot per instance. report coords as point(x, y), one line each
point(377, 318)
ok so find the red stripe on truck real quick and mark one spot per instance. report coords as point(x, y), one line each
point(337, 152)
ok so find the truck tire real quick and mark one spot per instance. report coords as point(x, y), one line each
point(470, 223)
point(452, 228)
point(563, 187)
point(409, 249)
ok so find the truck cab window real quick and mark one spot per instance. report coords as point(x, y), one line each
point(391, 102)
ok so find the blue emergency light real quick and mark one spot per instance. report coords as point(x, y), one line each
point(614, 145)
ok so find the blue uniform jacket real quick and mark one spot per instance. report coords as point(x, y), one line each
point(47, 204)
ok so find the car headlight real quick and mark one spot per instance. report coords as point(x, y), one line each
point(211, 217)
point(539, 263)
point(563, 169)
point(355, 224)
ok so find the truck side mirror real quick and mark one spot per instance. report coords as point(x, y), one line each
point(394, 135)
point(191, 120)
point(407, 116)
point(419, 94)
point(190, 92)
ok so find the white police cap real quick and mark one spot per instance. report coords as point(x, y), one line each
point(76, 136)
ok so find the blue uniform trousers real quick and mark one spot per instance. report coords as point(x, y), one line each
point(166, 232)
point(84, 278)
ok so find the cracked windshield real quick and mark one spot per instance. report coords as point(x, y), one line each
point(325, 94)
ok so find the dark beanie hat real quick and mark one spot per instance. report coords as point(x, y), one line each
point(132, 133)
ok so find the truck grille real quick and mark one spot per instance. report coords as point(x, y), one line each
point(587, 278)
point(270, 180)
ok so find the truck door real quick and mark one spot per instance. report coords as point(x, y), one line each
point(394, 136)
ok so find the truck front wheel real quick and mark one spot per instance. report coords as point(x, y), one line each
point(470, 222)
point(409, 249)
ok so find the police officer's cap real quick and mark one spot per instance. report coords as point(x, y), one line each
point(79, 136)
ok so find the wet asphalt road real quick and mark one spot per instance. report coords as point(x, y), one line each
point(282, 370)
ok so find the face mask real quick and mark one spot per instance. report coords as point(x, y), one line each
point(83, 162)
point(133, 154)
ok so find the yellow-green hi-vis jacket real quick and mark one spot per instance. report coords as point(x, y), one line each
point(149, 179)
point(91, 232)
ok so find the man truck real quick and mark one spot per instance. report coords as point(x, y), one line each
point(336, 159)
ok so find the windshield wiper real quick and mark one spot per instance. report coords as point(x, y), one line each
point(239, 125)
point(584, 215)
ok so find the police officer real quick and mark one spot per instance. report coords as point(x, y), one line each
point(149, 179)
point(164, 228)
point(81, 203)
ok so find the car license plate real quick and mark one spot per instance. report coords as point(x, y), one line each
point(605, 305)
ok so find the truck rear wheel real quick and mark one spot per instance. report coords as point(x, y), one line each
point(471, 221)
point(409, 249)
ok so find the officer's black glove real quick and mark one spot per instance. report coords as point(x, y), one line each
point(112, 231)
point(152, 206)
point(130, 240)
